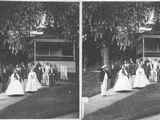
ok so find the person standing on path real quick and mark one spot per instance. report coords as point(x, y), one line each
point(33, 83)
point(131, 71)
point(103, 79)
point(141, 79)
point(122, 83)
point(15, 87)
point(51, 76)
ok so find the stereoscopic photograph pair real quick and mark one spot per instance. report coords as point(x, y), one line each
point(85, 60)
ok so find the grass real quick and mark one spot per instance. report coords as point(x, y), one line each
point(90, 84)
point(46, 103)
point(144, 103)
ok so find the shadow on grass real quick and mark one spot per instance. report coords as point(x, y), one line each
point(144, 103)
point(15, 95)
point(125, 91)
point(46, 103)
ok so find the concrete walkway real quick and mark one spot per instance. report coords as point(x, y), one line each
point(98, 102)
point(5, 100)
point(154, 117)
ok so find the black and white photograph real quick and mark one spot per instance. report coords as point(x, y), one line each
point(39, 60)
point(121, 60)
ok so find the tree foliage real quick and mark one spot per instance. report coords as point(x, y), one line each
point(65, 18)
point(17, 19)
point(121, 19)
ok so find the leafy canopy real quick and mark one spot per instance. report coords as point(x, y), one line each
point(121, 19)
point(18, 19)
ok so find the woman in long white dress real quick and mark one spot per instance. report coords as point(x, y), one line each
point(140, 80)
point(122, 83)
point(15, 87)
point(104, 82)
point(32, 84)
point(46, 70)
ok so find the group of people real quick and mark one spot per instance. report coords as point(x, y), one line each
point(31, 78)
point(130, 75)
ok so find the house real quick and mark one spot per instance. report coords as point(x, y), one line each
point(59, 52)
point(148, 46)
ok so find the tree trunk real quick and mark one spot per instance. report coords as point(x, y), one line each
point(105, 55)
point(105, 61)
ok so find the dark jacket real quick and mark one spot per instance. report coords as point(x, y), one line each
point(132, 69)
point(147, 70)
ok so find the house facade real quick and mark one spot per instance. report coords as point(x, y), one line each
point(59, 52)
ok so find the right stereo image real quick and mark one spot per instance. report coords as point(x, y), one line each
point(121, 60)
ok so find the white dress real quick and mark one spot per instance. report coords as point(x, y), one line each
point(140, 79)
point(153, 76)
point(32, 84)
point(14, 87)
point(122, 83)
point(46, 75)
point(104, 85)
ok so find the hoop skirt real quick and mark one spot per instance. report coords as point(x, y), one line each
point(14, 87)
point(140, 79)
point(104, 85)
point(32, 84)
point(122, 83)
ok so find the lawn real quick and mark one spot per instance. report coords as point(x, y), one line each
point(144, 103)
point(46, 103)
point(90, 84)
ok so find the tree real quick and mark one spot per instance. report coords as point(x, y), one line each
point(20, 18)
point(108, 22)
point(16, 23)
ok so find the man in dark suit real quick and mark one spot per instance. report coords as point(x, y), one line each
point(38, 71)
point(147, 68)
point(131, 71)
point(132, 68)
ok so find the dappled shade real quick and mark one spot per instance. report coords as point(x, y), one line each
point(46, 103)
point(144, 103)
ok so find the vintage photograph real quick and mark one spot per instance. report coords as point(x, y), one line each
point(39, 60)
point(121, 60)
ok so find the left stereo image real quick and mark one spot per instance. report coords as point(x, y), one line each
point(39, 60)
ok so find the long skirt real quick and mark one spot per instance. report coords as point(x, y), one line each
point(15, 88)
point(140, 81)
point(122, 84)
point(32, 85)
point(104, 86)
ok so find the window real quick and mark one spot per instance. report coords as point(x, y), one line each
point(54, 51)
point(42, 50)
point(68, 49)
point(152, 44)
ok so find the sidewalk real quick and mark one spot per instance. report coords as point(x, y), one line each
point(98, 102)
point(5, 100)
point(154, 117)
